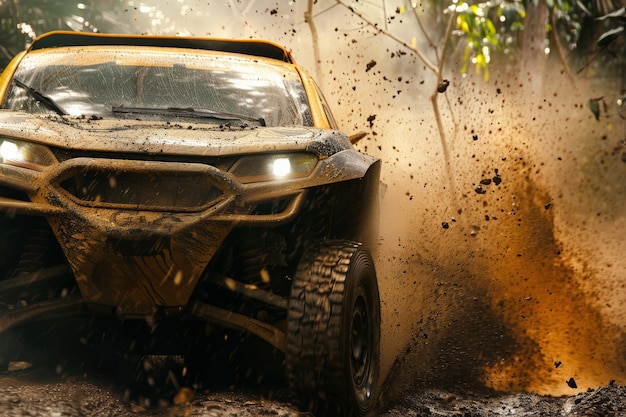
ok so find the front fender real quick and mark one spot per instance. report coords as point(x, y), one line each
point(346, 165)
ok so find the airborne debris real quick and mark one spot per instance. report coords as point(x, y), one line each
point(183, 396)
point(398, 53)
point(594, 106)
point(571, 383)
point(443, 86)
point(370, 65)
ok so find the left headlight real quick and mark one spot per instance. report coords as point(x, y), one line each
point(25, 154)
point(273, 167)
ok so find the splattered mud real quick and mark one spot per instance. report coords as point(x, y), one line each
point(43, 393)
point(503, 297)
point(501, 270)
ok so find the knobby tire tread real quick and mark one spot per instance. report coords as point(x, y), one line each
point(314, 326)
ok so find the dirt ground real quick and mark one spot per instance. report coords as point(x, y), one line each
point(43, 393)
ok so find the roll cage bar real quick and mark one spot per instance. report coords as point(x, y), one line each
point(258, 48)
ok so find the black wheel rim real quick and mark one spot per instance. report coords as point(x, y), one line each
point(361, 345)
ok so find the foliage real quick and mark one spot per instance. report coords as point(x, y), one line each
point(610, 39)
point(494, 27)
point(618, 17)
point(474, 22)
point(589, 37)
point(22, 20)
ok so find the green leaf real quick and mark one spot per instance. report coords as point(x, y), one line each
point(481, 62)
point(609, 36)
point(583, 7)
point(594, 106)
point(466, 54)
point(490, 27)
point(461, 23)
point(616, 14)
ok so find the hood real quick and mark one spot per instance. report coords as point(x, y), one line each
point(164, 137)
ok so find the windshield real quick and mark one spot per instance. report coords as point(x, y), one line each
point(95, 81)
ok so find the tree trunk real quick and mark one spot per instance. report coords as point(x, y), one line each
point(533, 59)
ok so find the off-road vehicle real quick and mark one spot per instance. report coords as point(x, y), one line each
point(181, 180)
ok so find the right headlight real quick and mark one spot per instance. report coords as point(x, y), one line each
point(274, 167)
point(25, 154)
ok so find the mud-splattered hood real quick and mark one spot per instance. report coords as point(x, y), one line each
point(167, 137)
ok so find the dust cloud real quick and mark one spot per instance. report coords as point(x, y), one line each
point(517, 283)
point(503, 269)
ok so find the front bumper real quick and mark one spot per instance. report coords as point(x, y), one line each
point(150, 252)
point(141, 256)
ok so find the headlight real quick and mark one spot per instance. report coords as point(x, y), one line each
point(259, 168)
point(25, 154)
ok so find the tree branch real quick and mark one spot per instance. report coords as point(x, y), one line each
point(308, 17)
point(416, 51)
point(559, 49)
point(433, 98)
point(425, 32)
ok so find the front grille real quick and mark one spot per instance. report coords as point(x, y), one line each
point(161, 191)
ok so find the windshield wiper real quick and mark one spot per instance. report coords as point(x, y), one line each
point(189, 112)
point(41, 98)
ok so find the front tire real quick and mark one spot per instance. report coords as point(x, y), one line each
point(333, 330)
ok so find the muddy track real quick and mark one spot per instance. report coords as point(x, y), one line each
point(42, 392)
